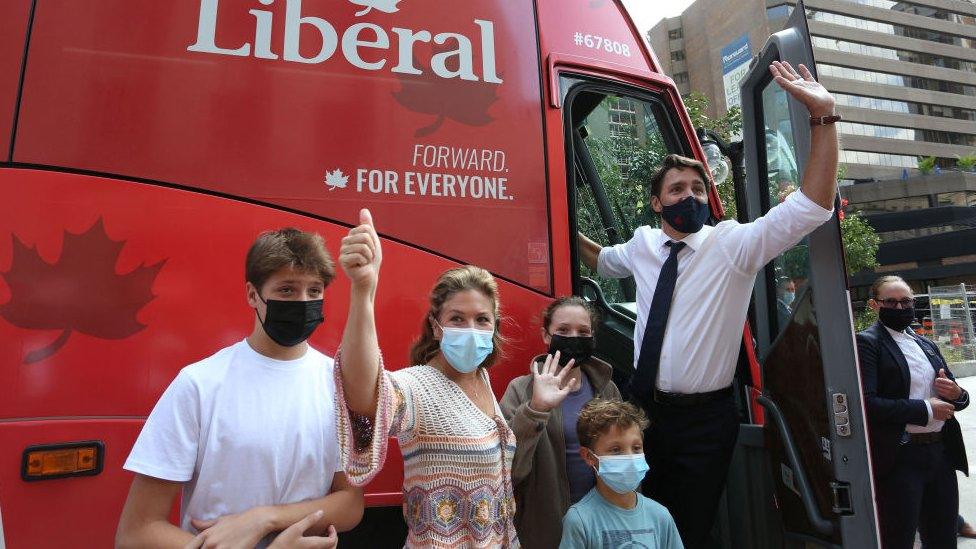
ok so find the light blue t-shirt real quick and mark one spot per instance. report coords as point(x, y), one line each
point(595, 523)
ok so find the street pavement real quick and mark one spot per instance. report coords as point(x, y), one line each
point(967, 485)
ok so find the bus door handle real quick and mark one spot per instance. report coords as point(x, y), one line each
point(601, 300)
point(819, 523)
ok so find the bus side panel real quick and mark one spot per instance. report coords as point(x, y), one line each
point(66, 512)
point(428, 114)
point(108, 288)
point(149, 279)
point(13, 33)
point(599, 30)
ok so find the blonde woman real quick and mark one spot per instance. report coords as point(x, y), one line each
point(456, 446)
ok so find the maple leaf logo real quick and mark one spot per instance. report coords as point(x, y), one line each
point(386, 6)
point(463, 101)
point(336, 179)
point(80, 292)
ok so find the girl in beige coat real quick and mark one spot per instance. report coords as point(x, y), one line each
point(541, 408)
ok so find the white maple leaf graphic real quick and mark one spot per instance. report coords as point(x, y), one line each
point(386, 6)
point(336, 179)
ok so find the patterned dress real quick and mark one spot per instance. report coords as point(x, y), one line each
point(457, 482)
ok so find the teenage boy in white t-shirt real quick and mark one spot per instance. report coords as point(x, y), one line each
point(249, 434)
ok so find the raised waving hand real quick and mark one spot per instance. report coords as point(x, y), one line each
point(549, 388)
point(803, 87)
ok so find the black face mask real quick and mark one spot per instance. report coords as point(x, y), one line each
point(687, 216)
point(289, 323)
point(570, 348)
point(897, 319)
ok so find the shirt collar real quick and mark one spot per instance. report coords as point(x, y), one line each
point(896, 334)
point(693, 240)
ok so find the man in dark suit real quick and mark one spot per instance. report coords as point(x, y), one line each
point(785, 295)
point(916, 443)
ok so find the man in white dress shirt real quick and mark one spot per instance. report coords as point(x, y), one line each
point(916, 443)
point(694, 283)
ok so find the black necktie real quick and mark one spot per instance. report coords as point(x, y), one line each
point(645, 378)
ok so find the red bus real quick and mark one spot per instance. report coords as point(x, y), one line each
point(144, 144)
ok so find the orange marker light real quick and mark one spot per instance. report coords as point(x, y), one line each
point(51, 461)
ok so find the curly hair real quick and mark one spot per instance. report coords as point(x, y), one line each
point(600, 415)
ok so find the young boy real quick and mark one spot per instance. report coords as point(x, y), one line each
point(248, 435)
point(612, 514)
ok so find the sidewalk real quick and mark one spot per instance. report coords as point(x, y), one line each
point(967, 485)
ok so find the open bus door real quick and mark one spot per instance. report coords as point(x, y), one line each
point(815, 430)
point(802, 475)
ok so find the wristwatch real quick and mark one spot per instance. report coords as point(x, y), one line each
point(824, 120)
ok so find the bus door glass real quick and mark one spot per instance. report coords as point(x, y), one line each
point(815, 431)
point(616, 137)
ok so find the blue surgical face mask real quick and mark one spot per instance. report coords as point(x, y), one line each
point(466, 348)
point(622, 474)
point(788, 297)
point(687, 215)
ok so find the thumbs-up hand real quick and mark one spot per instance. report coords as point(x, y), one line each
point(946, 388)
point(361, 254)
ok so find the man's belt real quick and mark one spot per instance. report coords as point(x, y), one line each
point(924, 438)
point(692, 399)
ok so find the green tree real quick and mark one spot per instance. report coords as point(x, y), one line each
point(966, 163)
point(726, 126)
point(864, 319)
point(861, 243)
point(926, 164)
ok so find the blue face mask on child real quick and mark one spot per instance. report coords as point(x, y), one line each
point(466, 348)
point(622, 473)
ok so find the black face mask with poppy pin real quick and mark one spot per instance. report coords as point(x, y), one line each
point(687, 215)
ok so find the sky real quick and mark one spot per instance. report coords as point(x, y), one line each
point(646, 13)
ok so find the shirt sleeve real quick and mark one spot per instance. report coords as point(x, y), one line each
point(670, 538)
point(363, 442)
point(167, 446)
point(928, 406)
point(617, 261)
point(750, 246)
point(574, 533)
point(527, 424)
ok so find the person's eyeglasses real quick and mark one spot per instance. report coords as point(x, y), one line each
point(892, 303)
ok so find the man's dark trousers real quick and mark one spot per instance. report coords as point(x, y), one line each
point(919, 492)
point(689, 449)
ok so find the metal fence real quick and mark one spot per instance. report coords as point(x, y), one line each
point(952, 314)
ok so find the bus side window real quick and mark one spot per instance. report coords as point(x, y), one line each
point(618, 145)
point(788, 273)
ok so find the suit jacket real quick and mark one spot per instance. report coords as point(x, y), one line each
point(885, 381)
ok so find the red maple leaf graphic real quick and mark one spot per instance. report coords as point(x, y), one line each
point(80, 292)
point(463, 101)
